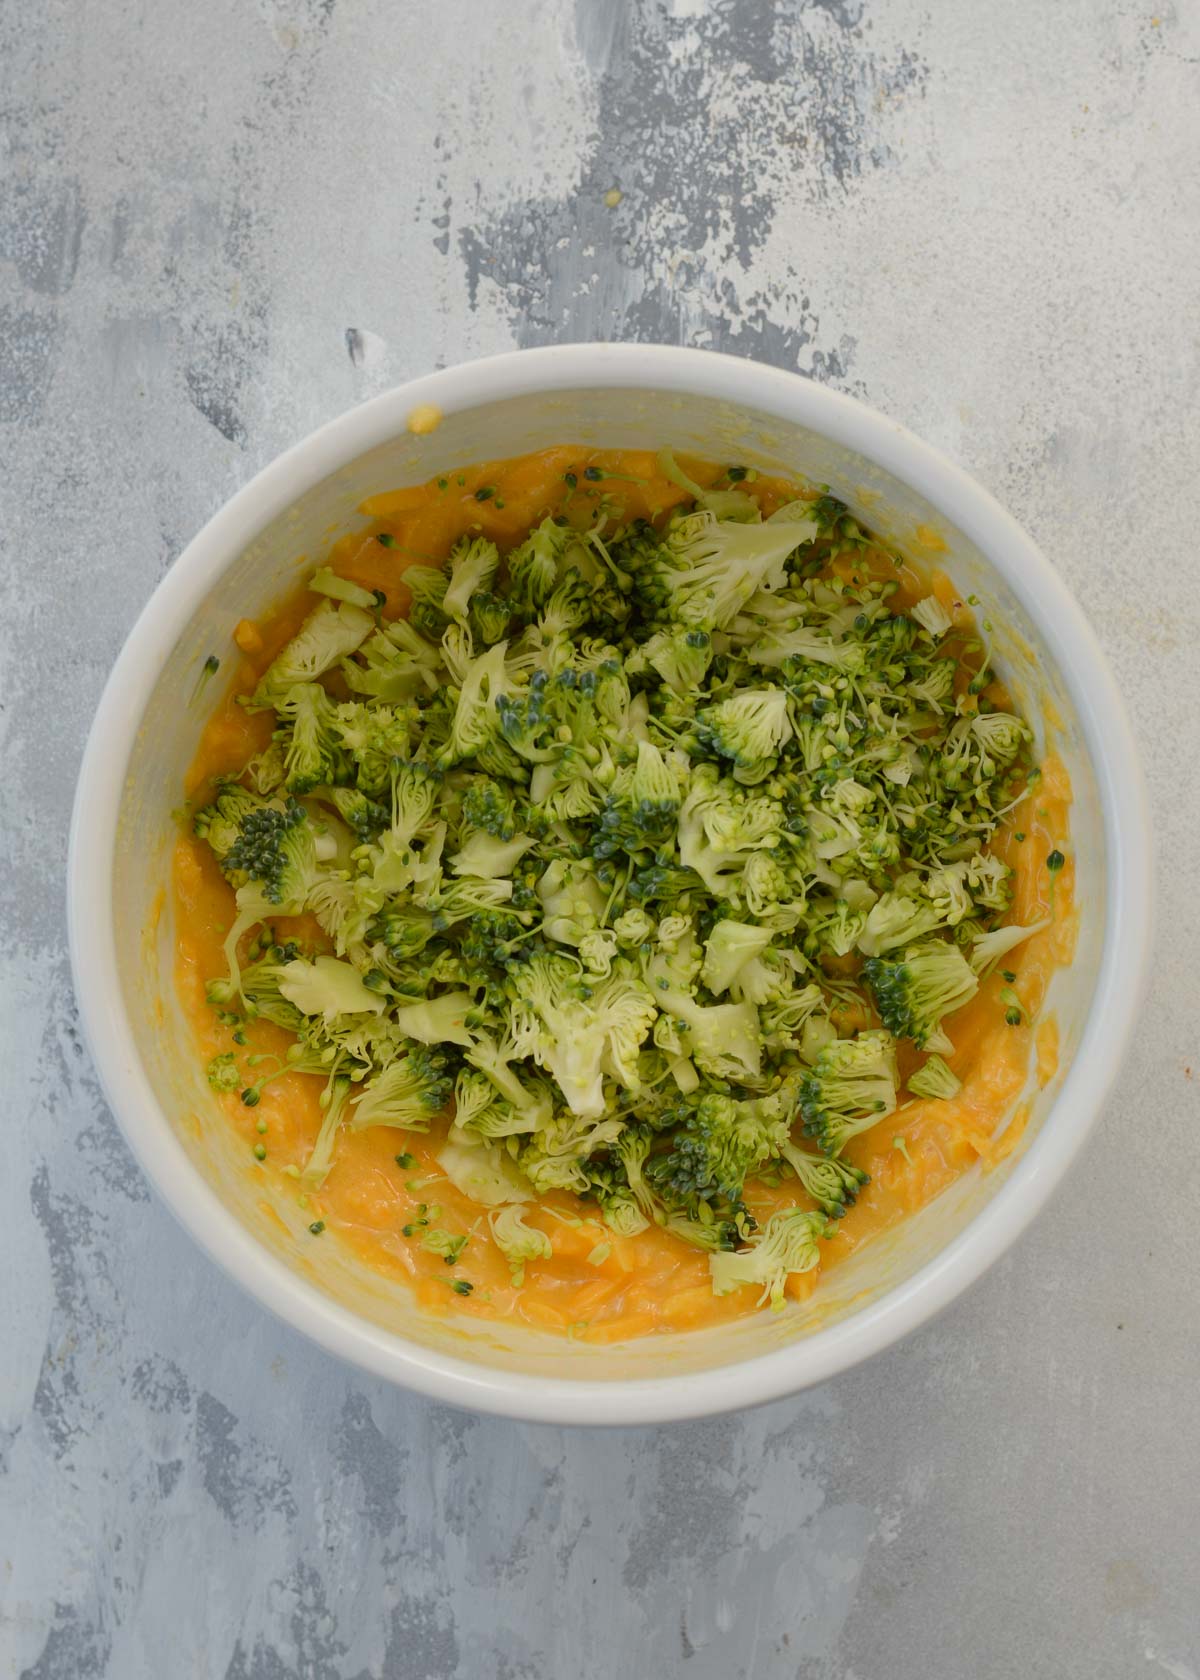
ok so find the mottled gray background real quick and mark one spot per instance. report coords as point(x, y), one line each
point(224, 222)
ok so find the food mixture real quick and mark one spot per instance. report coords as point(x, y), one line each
point(617, 888)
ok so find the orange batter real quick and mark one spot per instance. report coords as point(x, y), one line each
point(596, 1284)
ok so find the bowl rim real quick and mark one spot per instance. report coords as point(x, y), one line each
point(823, 1353)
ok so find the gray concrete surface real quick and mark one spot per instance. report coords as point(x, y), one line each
point(985, 219)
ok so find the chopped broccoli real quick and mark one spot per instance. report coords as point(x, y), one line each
point(788, 1243)
point(408, 1093)
point(472, 567)
point(988, 948)
point(934, 1079)
point(328, 987)
point(599, 847)
point(327, 582)
point(704, 570)
point(731, 945)
point(327, 634)
point(749, 728)
point(913, 995)
point(518, 1242)
point(850, 1088)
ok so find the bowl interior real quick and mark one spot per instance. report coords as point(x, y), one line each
point(294, 542)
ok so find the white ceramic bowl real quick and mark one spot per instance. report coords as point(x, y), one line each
point(145, 734)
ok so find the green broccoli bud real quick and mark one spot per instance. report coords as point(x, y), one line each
point(898, 918)
point(221, 822)
point(535, 565)
point(641, 807)
point(311, 753)
point(436, 1240)
point(490, 617)
point(633, 927)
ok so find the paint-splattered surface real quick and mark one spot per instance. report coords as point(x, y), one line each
point(223, 224)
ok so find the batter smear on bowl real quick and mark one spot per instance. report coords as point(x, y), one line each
point(617, 888)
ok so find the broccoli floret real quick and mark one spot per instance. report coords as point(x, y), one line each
point(482, 855)
point(476, 724)
point(327, 582)
point(633, 927)
point(802, 645)
point(386, 671)
point(221, 822)
point(490, 617)
point(749, 728)
point(438, 1020)
point(531, 719)
point(275, 851)
point(723, 1038)
point(988, 948)
point(931, 615)
point(494, 808)
point(898, 918)
point(535, 565)
point(580, 1038)
point(427, 586)
point(641, 808)
point(731, 945)
point(374, 736)
point(312, 749)
point(329, 987)
point(711, 1155)
point(913, 994)
point(414, 791)
point(572, 901)
point(518, 1242)
point(409, 1094)
point(680, 656)
point(366, 816)
point(788, 1243)
point(263, 994)
point(831, 1182)
point(618, 1206)
point(473, 564)
point(484, 1172)
point(934, 1079)
point(333, 1101)
point(327, 634)
point(704, 570)
point(850, 1088)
